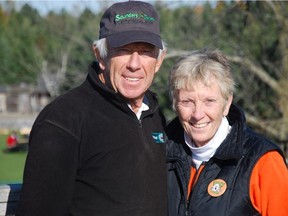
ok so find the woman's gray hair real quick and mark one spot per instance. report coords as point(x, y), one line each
point(201, 65)
point(102, 47)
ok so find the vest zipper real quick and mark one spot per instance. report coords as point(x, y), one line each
point(193, 183)
point(186, 212)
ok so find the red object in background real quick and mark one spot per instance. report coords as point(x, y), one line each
point(11, 141)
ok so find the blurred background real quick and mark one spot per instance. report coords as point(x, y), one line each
point(45, 48)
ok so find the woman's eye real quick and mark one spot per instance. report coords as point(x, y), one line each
point(210, 101)
point(185, 103)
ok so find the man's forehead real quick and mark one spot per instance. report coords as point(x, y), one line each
point(139, 45)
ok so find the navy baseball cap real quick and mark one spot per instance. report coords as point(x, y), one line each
point(129, 22)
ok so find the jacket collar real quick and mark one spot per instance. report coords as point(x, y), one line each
point(94, 81)
point(231, 147)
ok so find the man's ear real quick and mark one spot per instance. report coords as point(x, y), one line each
point(98, 57)
point(160, 61)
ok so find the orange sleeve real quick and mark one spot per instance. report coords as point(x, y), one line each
point(269, 185)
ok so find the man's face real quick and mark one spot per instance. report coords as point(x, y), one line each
point(131, 69)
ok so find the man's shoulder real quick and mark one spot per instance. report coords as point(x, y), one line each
point(174, 130)
point(173, 125)
point(71, 105)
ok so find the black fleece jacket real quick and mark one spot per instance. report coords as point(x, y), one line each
point(90, 155)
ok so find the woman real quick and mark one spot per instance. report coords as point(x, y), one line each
point(216, 164)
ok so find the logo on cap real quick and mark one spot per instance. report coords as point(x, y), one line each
point(217, 187)
point(137, 16)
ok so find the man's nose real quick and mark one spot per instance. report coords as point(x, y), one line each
point(134, 61)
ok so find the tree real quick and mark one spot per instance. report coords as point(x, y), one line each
point(254, 36)
point(252, 33)
point(276, 81)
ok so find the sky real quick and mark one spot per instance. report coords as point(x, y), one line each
point(70, 5)
point(76, 6)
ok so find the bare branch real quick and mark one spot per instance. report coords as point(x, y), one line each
point(257, 71)
point(266, 128)
point(176, 53)
point(46, 78)
point(53, 80)
point(62, 71)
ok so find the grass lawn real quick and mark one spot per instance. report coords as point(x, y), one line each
point(11, 164)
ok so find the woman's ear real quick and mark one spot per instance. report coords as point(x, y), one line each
point(98, 57)
point(227, 105)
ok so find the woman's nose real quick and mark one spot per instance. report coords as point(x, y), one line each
point(198, 111)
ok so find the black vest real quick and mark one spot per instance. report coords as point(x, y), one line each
point(232, 163)
point(236, 174)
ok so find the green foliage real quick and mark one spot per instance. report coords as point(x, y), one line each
point(246, 29)
point(19, 53)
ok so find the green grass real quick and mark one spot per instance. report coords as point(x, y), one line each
point(11, 164)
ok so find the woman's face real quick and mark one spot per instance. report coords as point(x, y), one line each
point(201, 109)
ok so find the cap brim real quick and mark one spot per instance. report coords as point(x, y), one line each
point(124, 38)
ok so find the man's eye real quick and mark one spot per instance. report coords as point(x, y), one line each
point(123, 51)
point(141, 52)
point(146, 53)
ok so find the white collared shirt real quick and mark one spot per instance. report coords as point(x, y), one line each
point(143, 107)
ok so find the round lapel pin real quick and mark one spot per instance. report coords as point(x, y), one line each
point(217, 187)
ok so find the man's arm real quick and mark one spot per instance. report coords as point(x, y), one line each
point(50, 170)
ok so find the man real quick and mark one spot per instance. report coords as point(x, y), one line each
point(99, 149)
